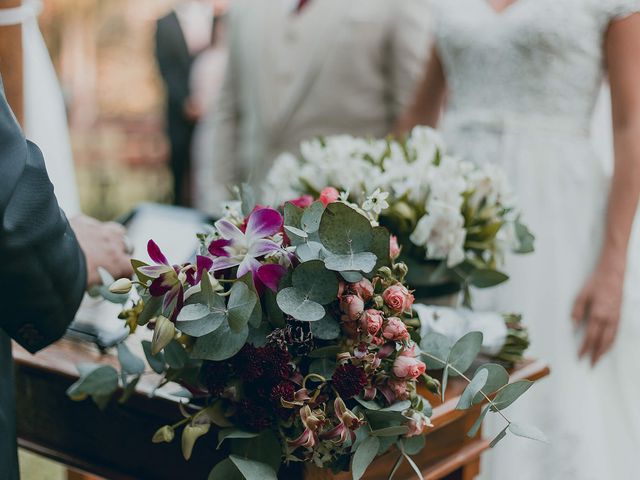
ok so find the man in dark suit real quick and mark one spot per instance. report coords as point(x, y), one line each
point(180, 36)
point(43, 270)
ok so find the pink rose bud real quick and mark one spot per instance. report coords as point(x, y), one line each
point(398, 298)
point(371, 322)
point(302, 202)
point(394, 248)
point(364, 289)
point(408, 368)
point(352, 306)
point(417, 424)
point(329, 195)
point(395, 330)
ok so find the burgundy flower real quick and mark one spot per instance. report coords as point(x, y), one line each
point(249, 363)
point(282, 391)
point(349, 380)
point(253, 415)
point(215, 376)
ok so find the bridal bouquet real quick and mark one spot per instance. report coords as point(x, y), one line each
point(455, 221)
point(293, 332)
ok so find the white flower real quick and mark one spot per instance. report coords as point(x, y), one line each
point(376, 202)
point(442, 233)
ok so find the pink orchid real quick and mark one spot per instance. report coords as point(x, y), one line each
point(242, 249)
point(349, 423)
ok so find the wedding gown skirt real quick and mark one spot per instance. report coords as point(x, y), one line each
point(590, 415)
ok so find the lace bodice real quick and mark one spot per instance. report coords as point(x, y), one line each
point(540, 58)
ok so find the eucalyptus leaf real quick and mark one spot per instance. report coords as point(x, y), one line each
point(360, 262)
point(497, 378)
point(352, 277)
point(129, 390)
point(500, 436)
point(264, 448)
point(509, 394)
point(292, 215)
point(476, 385)
point(323, 367)
point(95, 380)
point(129, 363)
point(464, 352)
point(311, 217)
point(326, 329)
point(487, 278)
point(156, 362)
point(220, 344)
point(344, 231)
point(526, 239)
point(528, 431)
point(242, 302)
point(365, 454)
point(227, 433)
point(318, 284)
point(258, 336)
point(380, 246)
point(175, 355)
point(252, 470)
point(326, 352)
point(310, 251)
point(413, 445)
point(296, 232)
point(435, 345)
point(296, 303)
point(386, 443)
point(398, 406)
point(368, 404)
point(152, 307)
point(390, 431)
point(247, 198)
point(197, 320)
point(225, 470)
point(478, 423)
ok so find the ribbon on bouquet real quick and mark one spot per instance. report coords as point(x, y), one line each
point(505, 338)
point(18, 15)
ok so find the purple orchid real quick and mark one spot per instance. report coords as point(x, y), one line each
point(241, 249)
point(167, 279)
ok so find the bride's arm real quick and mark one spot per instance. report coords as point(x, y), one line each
point(599, 303)
point(429, 98)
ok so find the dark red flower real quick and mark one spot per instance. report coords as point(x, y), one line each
point(249, 363)
point(283, 390)
point(215, 376)
point(253, 415)
point(349, 380)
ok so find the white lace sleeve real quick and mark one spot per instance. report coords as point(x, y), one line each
point(616, 9)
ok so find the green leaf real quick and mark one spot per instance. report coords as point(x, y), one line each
point(242, 302)
point(206, 288)
point(361, 262)
point(295, 303)
point(413, 445)
point(226, 433)
point(273, 312)
point(252, 470)
point(136, 264)
point(296, 232)
point(316, 282)
point(323, 367)
point(264, 448)
point(526, 239)
point(309, 251)
point(528, 431)
point(500, 436)
point(225, 470)
point(477, 384)
point(438, 346)
point(311, 217)
point(366, 452)
point(464, 352)
point(352, 277)
point(398, 406)
point(152, 307)
point(478, 423)
point(175, 355)
point(221, 344)
point(385, 444)
point(326, 352)
point(248, 199)
point(509, 394)
point(344, 231)
point(445, 381)
point(258, 336)
point(326, 329)
point(368, 404)
point(95, 380)
point(129, 363)
point(380, 246)
point(107, 280)
point(129, 390)
point(487, 278)
point(497, 378)
point(389, 431)
point(156, 362)
point(197, 320)
point(292, 215)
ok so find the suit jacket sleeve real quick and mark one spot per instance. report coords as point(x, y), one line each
point(43, 268)
point(177, 87)
point(410, 39)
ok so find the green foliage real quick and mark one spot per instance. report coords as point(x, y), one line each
point(242, 302)
point(365, 454)
point(326, 329)
point(526, 239)
point(129, 363)
point(175, 355)
point(97, 381)
point(264, 448)
point(247, 198)
point(226, 470)
point(527, 431)
point(197, 320)
point(221, 344)
point(487, 278)
point(497, 378)
point(436, 348)
point(509, 394)
point(227, 433)
point(464, 352)
point(252, 470)
point(413, 445)
point(473, 388)
point(156, 362)
point(323, 367)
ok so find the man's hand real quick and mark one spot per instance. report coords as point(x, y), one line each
point(104, 245)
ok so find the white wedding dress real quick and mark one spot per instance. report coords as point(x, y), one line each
point(523, 84)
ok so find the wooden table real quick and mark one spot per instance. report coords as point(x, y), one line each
point(116, 445)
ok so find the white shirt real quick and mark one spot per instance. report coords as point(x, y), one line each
point(196, 21)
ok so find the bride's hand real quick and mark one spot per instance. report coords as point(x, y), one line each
point(598, 307)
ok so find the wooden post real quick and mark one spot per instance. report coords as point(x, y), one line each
point(11, 62)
